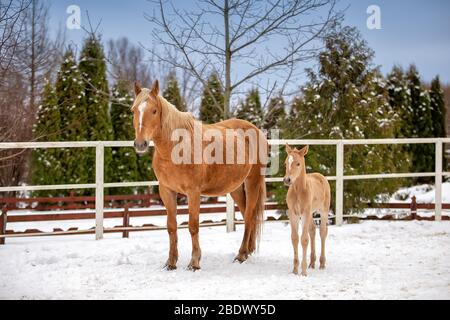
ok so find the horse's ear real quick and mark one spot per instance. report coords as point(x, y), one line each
point(137, 87)
point(303, 152)
point(288, 148)
point(155, 88)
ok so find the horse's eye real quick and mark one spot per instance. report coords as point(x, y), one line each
point(154, 111)
point(298, 164)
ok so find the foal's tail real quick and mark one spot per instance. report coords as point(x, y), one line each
point(259, 209)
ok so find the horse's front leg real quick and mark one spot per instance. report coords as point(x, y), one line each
point(169, 199)
point(294, 220)
point(194, 211)
point(306, 220)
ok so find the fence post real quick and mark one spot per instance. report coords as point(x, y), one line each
point(438, 181)
point(413, 208)
point(126, 222)
point(99, 192)
point(230, 214)
point(339, 183)
point(3, 219)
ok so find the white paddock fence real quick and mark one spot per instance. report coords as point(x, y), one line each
point(100, 185)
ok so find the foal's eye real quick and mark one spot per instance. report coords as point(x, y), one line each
point(298, 164)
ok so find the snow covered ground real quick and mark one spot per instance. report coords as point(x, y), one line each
point(424, 194)
point(371, 260)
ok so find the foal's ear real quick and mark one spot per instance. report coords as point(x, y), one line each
point(288, 148)
point(137, 87)
point(303, 152)
point(155, 88)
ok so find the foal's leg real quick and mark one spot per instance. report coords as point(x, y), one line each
point(323, 235)
point(194, 210)
point(312, 237)
point(294, 220)
point(306, 220)
point(169, 199)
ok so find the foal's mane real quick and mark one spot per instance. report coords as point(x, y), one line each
point(171, 117)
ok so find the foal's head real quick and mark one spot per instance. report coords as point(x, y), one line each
point(147, 115)
point(295, 164)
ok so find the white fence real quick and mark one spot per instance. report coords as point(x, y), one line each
point(100, 185)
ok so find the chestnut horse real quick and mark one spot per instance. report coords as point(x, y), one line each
point(155, 119)
point(308, 193)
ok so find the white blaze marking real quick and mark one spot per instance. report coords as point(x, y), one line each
point(141, 109)
point(290, 160)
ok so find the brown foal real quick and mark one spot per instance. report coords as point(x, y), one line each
point(308, 193)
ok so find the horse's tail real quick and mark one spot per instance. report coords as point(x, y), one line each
point(260, 206)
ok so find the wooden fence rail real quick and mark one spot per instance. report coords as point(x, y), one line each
point(127, 212)
point(100, 185)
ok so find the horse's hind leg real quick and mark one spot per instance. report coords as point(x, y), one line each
point(251, 197)
point(323, 235)
point(239, 197)
point(312, 237)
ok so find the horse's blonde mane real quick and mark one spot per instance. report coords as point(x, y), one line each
point(171, 117)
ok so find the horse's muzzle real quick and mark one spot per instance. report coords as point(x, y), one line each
point(287, 181)
point(141, 147)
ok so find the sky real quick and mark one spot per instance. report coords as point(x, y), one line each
point(412, 31)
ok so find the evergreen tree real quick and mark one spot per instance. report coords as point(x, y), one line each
point(212, 104)
point(276, 114)
point(347, 99)
point(400, 102)
point(297, 105)
point(422, 125)
point(46, 163)
point(69, 94)
point(144, 168)
point(172, 92)
point(251, 109)
point(275, 120)
point(124, 160)
point(92, 66)
point(438, 111)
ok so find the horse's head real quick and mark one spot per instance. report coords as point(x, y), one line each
point(147, 115)
point(295, 163)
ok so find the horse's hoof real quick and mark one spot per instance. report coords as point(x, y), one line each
point(193, 268)
point(304, 274)
point(312, 266)
point(241, 258)
point(169, 267)
point(322, 267)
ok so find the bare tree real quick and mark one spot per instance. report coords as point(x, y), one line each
point(28, 54)
point(241, 40)
point(12, 118)
point(40, 52)
point(127, 62)
point(12, 20)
